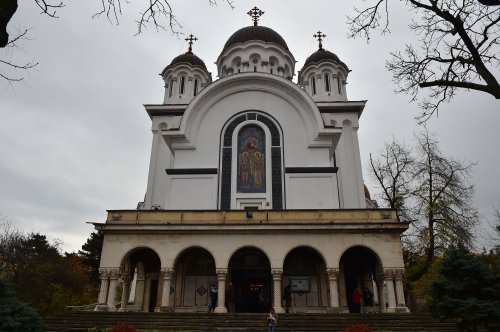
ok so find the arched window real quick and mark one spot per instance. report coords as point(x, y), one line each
point(339, 87)
point(251, 160)
point(251, 163)
point(182, 85)
point(195, 90)
point(327, 82)
point(313, 85)
point(171, 85)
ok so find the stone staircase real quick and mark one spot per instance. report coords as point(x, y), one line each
point(204, 322)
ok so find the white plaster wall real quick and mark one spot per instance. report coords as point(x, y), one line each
point(194, 192)
point(349, 173)
point(161, 159)
point(297, 152)
point(311, 191)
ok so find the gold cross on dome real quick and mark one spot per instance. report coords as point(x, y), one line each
point(319, 35)
point(190, 41)
point(255, 13)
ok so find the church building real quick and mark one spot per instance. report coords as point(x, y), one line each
point(255, 188)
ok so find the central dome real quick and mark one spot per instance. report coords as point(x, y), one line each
point(255, 33)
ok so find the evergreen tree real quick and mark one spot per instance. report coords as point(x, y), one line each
point(91, 256)
point(465, 290)
point(15, 315)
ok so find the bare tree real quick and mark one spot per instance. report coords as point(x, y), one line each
point(433, 192)
point(156, 13)
point(392, 170)
point(458, 48)
point(441, 200)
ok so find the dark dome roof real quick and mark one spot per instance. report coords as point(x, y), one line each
point(255, 33)
point(322, 55)
point(188, 58)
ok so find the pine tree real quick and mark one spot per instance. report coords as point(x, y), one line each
point(15, 315)
point(465, 290)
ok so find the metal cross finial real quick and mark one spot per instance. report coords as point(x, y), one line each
point(320, 37)
point(190, 41)
point(255, 13)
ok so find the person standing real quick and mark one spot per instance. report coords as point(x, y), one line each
point(356, 301)
point(213, 298)
point(367, 297)
point(287, 296)
point(272, 321)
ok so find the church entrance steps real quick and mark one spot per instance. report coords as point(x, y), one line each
point(204, 322)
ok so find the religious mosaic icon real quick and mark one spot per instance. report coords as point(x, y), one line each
point(251, 160)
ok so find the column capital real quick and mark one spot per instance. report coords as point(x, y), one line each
point(108, 272)
point(167, 273)
point(388, 274)
point(399, 273)
point(126, 277)
point(277, 272)
point(221, 273)
point(333, 273)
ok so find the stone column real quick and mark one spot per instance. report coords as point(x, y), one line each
point(277, 274)
point(125, 292)
point(333, 277)
point(391, 296)
point(103, 291)
point(113, 280)
point(380, 290)
point(221, 291)
point(400, 295)
point(147, 293)
point(165, 295)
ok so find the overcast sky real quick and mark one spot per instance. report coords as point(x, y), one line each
point(75, 139)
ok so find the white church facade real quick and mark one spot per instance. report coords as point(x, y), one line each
point(255, 183)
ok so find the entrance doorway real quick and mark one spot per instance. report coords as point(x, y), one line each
point(359, 266)
point(250, 275)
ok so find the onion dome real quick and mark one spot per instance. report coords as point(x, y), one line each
point(189, 58)
point(185, 76)
point(323, 75)
point(256, 49)
point(322, 55)
point(255, 32)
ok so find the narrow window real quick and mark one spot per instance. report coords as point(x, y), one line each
point(313, 85)
point(255, 68)
point(195, 91)
point(170, 88)
point(181, 87)
point(271, 70)
point(327, 83)
point(338, 86)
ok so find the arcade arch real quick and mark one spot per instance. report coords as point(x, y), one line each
point(194, 274)
point(304, 270)
point(361, 268)
point(250, 277)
